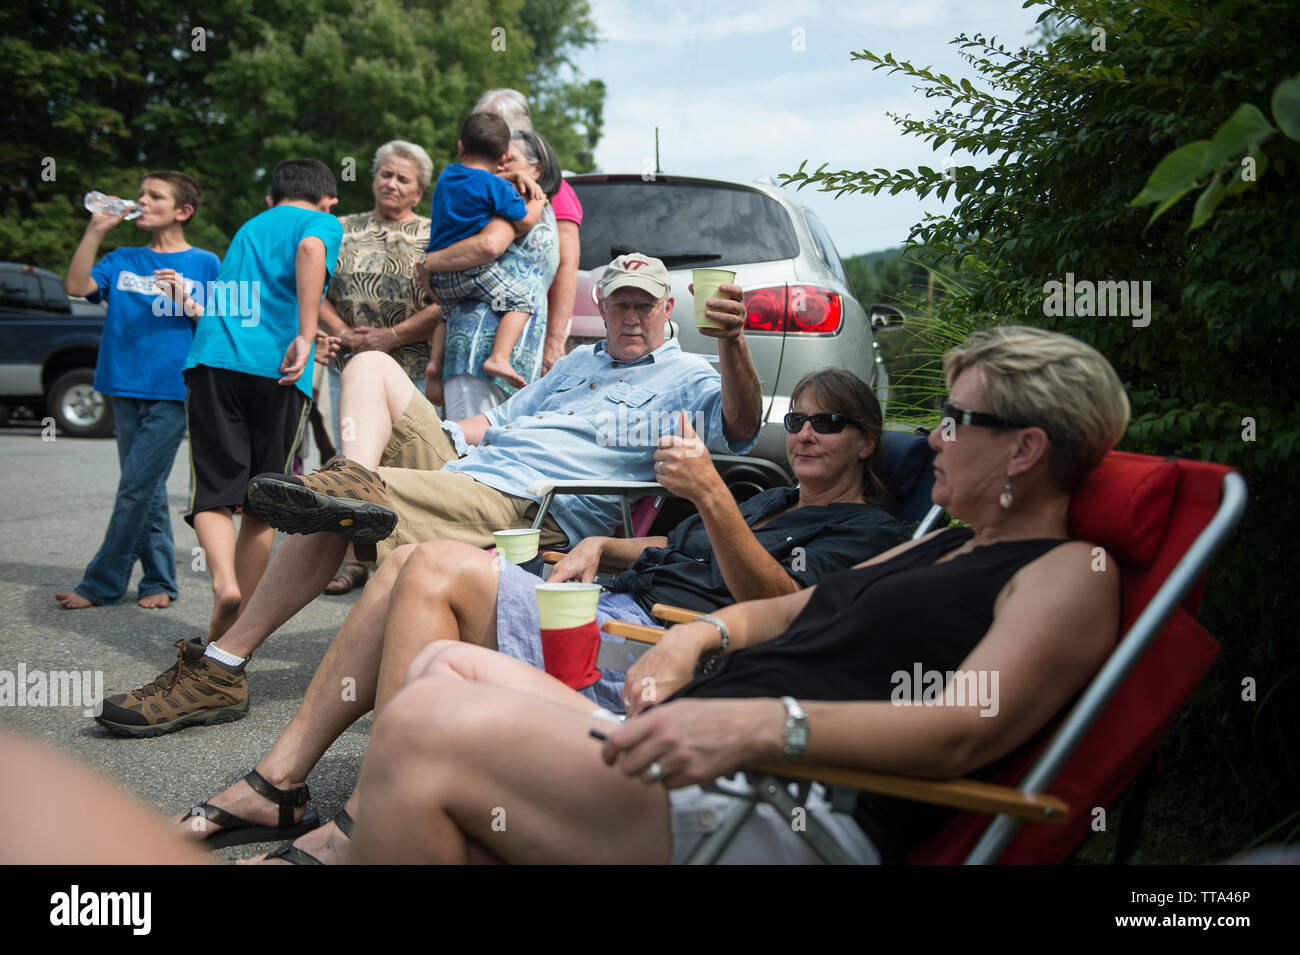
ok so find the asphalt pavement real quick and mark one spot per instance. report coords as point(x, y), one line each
point(60, 494)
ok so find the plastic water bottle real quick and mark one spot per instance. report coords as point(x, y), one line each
point(98, 202)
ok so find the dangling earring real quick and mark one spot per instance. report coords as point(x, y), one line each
point(1006, 498)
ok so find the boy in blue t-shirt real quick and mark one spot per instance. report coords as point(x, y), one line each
point(467, 195)
point(154, 294)
point(248, 397)
point(247, 405)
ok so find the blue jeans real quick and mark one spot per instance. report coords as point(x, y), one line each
point(148, 434)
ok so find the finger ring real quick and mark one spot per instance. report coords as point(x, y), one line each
point(659, 466)
point(654, 772)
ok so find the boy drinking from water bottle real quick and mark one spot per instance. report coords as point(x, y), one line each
point(154, 294)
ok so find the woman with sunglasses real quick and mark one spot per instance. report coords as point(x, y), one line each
point(813, 675)
point(777, 542)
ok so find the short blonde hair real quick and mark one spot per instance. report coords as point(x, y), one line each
point(417, 155)
point(1052, 381)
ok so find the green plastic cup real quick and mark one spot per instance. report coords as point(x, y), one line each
point(518, 545)
point(566, 605)
point(706, 287)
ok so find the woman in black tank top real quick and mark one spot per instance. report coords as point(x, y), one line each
point(937, 658)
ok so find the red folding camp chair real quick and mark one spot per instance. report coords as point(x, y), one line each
point(1163, 520)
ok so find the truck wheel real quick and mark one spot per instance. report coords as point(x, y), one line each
point(78, 409)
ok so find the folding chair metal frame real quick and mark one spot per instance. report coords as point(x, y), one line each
point(624, 490)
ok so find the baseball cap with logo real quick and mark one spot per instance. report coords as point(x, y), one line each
point(635, 270)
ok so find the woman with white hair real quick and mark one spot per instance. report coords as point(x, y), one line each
point(374, 303)
point(510, 105)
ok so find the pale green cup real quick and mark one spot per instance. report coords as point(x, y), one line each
point(566, 605)
point(706, 287)
point(517, 545)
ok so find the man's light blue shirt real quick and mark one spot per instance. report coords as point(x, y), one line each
point(593, 418)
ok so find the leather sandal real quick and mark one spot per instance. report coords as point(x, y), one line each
point(235, 831)
point(295, 856)
point(351, 574)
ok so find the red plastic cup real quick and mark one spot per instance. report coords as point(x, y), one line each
point(570, 636)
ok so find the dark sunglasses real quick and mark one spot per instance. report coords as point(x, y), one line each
point(824, 423)
point(979, 418)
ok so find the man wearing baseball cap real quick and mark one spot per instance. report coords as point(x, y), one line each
point(405, 476)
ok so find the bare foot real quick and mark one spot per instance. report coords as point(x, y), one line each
point(326, 844)
point(503, 370)
point(239, 800)
point(225, 610)
point(73, 601)
point(158, 601)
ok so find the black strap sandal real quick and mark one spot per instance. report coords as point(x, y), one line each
point(295, 856)
point(350, 575)
point(235, 830)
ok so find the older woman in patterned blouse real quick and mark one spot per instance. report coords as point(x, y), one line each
point(374, 303)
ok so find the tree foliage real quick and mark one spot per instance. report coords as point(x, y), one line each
point(101, 92)
point(1064, 137)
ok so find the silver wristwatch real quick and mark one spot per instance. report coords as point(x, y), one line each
point(710, 659)
point(794, 736)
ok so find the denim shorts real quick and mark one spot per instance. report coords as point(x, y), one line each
point(519, 629)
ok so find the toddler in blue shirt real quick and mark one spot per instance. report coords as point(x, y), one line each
point(467, 195)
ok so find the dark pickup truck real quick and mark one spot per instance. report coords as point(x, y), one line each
point(48, 347)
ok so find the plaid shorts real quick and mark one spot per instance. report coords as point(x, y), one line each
point(490, 284)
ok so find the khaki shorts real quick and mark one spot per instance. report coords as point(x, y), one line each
point(453, 506)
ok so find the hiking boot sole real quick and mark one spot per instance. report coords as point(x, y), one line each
point(296, 509)
point(225, 714)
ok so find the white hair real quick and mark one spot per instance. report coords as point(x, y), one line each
point(510, 105)
point(417, 155)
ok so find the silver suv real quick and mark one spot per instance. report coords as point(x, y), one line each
point(801, 313)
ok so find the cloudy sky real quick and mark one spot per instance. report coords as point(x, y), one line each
point(735, 98)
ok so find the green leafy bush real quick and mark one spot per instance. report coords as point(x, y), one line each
point(101, 92)
point(1063, 138)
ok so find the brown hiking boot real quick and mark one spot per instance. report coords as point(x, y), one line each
point(195, 691)
point(343, 498)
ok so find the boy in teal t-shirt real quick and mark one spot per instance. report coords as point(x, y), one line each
point(154, 294)
point(246, 405)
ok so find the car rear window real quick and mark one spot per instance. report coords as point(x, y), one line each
point(19, 289)
point(55, 299)
point(688, 225)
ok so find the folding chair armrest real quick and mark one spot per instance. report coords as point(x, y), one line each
point(970, 794)
point(644, 634)
point(633, 631)
point(555, 556)
point(674, 614)
point(547, 490)
point(542, 488)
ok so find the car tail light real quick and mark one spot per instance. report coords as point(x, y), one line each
point(765, 309)
point(808, 309)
